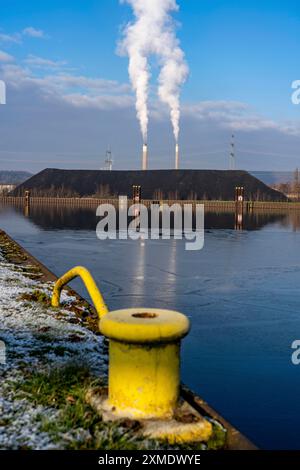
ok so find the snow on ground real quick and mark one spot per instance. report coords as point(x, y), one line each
point(35, 338)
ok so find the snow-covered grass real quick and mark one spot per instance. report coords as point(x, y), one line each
point(36, 338)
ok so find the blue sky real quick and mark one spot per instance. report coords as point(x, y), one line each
point(68, 94)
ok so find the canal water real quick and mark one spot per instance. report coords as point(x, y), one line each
point(241, 292)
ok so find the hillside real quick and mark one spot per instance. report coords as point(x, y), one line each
point(14, 177)
point(156, 184)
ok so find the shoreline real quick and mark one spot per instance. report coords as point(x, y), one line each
point(89, 202)
point(84, 315)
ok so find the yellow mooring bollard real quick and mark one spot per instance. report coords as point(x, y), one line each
point(144, 361)
point(144, 368)
point(144, 353)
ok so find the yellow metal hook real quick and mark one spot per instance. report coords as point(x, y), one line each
point(90, 285)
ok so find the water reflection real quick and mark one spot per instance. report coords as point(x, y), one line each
point(241, 293)
point(139, 284)
point(74, 218)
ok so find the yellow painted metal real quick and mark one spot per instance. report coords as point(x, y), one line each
point(90, 285)
point(144, 361)
point(143, 380)
point(145, 325)
point(144, 353)
point(180, 432)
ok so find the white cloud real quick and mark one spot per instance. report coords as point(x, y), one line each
point(78, 115)
point(14, 75)
point(33, 32)
point(10, 38)
point(98, 93)
point(4, 57)
point(237, 116)
point(91, 84)
point(99, 102)
point(75, 90)
point(40, 62)
point(16, 38)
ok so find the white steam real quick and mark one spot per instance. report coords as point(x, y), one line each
point(153, 32)
point(136, 45)
point(174, 69)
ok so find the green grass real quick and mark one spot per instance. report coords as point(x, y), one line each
point(218, 438)
point(52, 388)
point(64, 389)
point(77, 426)
point(36, 296)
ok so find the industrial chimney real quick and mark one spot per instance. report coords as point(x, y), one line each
point(145, 157)
point(177, 157)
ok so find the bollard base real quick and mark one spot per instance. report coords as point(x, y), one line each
point(187, 425)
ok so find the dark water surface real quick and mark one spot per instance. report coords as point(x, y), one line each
point(241, 292)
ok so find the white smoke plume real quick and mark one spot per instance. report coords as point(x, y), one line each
point(174, 71)
point(136, 45)
point(153, 32)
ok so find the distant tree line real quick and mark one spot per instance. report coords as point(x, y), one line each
point(103, 191)
point(52, 191)
point(290, 188)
